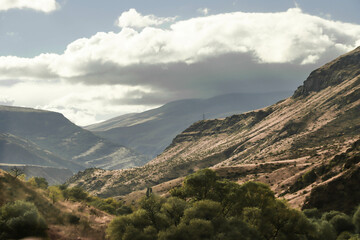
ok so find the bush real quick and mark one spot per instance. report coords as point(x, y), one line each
point(346, 236)
point(110, 205)
point(39, 182)
point(123, 210)
point(324, 230)
point(329, 215)
point(55, 193)
point(75, 193)
point(21, 219)
point(342, 223)
point(312, 213)
point(356, 219)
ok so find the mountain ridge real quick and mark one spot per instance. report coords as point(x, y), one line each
point(294, 136)
point(150, 132)
point(45, 138)
point(322, 77)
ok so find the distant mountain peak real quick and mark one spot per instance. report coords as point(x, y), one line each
point(344, 67)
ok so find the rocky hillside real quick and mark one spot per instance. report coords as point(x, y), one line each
point(150, 132)
point(62, 141)
point(281, 145)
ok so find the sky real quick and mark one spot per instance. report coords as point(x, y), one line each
point(92, 60)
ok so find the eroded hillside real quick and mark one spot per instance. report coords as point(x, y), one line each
point(278, 144)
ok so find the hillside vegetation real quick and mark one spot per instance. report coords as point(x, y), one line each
point(208, 207)
point(31, 208)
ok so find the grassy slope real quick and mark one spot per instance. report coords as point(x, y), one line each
point(92, 226)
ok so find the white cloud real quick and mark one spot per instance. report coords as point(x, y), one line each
point(5, 100)
point(132, 18)
point(290, 36)
point(90, 104)
point(38, 5)
point(80, 103)
point(204, 11)
point(198, 57)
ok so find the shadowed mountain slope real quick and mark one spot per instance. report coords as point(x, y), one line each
point(278, 145)
point(35, 137)
point(152, 131)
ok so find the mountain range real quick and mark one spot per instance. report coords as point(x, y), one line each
point(43, 138)
point(40, 141)
point(150, 132)
point(301, 146)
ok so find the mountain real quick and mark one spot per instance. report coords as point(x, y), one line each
point(16, 150)
point(150, 132)
point(296, 145)
point(43, 138)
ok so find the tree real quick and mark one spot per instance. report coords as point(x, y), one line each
point(16, 171)
point(198, 186)
point(174, 209)
point(21, 219)
point(152, 206)
point(55, 193)
point(39, 182)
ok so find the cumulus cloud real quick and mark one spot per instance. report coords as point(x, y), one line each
point(198, 57)
point(82, 104)
point(285, 37)
point(90, 104)
point(132, 18)
point(5, 100)
point(46, 6)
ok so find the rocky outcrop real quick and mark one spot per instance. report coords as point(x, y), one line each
point(345, 67)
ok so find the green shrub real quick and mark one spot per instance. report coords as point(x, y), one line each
point(329, 215)
point(356, 219)
point(345, 236)
point(21, 219)
point(39, 182)
point(324, 230)
point(75, 194)
point(123, 210)
point(312, 213)
point(342, 223)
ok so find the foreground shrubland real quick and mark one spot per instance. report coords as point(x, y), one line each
point(206, 207)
